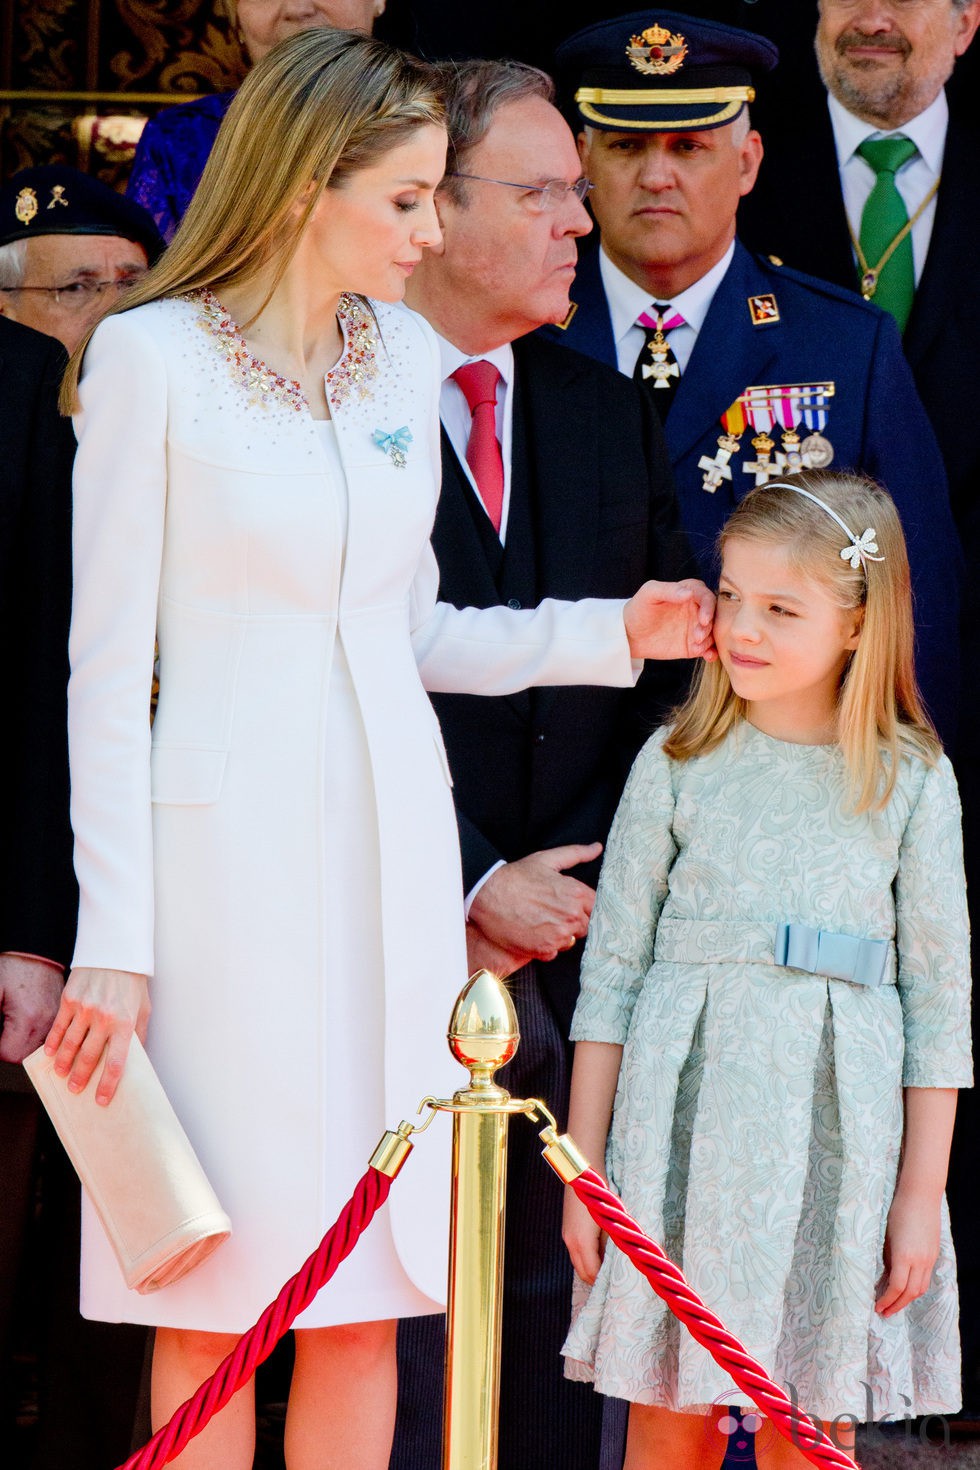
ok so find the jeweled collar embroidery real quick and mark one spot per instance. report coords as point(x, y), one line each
point(354, 375)
point(351, 376)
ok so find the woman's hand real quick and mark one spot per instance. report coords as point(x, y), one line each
point(99, 1011)
point(671, 620)
point(911, 1250)
point(584, 1241)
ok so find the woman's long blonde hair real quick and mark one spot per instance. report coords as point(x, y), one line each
point(880, 710)
point(320, 106)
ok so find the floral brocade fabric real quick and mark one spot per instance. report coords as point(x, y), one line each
point(758, 1117)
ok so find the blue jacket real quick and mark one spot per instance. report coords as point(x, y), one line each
point(876, 424)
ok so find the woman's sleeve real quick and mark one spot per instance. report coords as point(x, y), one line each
point(933, 938)
point(631, 893)
point(151, 183)
point(119, 498)
point(497, 650)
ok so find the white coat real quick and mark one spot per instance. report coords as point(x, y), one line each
point(202, 520)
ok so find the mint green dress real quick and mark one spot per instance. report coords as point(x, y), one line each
point(758, 1117)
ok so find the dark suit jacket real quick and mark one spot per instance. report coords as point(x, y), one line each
point(876, 424)
point(942, 339)
point(592, 514)
point(38, 897)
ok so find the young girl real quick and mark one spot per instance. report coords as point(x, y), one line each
point(778, 949)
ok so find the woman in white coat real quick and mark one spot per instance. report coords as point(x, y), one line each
point(255, 486)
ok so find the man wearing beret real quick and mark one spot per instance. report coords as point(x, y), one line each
point(66, 244)
point(757, 371)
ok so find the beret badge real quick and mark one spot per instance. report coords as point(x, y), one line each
point(657, 52)
point(25, 206)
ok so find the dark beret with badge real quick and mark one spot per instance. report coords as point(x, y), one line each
point(660, 71)
point(57, 200)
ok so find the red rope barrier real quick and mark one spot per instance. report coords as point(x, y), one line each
point(257, 1343)
point(668, 1282)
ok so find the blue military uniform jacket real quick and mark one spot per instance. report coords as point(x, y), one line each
point(876, 423)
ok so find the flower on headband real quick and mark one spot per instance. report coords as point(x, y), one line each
point(395, 444)
point(861, 549)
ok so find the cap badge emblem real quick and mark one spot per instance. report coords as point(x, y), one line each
point(657, 52)
point(58, 196)
point(25, 206)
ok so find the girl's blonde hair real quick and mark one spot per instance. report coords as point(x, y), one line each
point(322, 105)
point(880, 710)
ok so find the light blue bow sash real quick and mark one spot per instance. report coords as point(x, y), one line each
point(796, 946)
point(842, 956)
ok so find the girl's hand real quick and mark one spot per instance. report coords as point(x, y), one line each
point(911, 1250)
point(99, 1011)
point(583, 1239)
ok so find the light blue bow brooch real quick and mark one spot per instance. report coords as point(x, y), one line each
point(395, 444)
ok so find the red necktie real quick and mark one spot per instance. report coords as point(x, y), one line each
point(478, 381)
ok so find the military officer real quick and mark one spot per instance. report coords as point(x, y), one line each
point(756, 369)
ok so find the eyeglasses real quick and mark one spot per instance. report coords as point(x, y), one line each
point(540, 197)
point(77, 295)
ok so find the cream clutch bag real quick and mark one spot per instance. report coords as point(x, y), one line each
point(138, 1168)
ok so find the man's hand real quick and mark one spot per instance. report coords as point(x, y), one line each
point(531, 908)
point(671, 620)
point(30, 994)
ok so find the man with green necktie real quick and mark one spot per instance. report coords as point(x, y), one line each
point(884, 63)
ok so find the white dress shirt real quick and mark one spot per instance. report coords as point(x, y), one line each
point(913, 180)
point(457, 419)
point(627, 300)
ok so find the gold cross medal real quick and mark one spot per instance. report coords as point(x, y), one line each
point(762, 466)
point(761, 415)
point(790, 458)
point(717, 469)
point(664, 366)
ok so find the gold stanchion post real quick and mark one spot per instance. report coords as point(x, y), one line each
point(483, 1035)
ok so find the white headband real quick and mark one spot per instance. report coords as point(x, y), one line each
point(859, 548)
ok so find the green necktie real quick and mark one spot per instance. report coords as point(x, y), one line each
point(882, 223)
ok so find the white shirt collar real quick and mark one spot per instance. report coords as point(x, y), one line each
point(626, 299)
point(452, 358)
point(927, 131)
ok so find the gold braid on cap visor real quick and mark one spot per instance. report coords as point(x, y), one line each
point(734, 97)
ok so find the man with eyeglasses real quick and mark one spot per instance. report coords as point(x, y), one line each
point(68, 246)
point(555, 484)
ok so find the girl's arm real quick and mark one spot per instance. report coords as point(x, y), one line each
point(912, 1234)
point(595, 1073)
